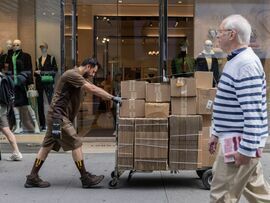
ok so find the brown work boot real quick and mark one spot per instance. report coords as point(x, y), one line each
point(35, 181)
point(89, 180)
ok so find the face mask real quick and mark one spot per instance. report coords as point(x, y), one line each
point(183, 48)
point(16, 47)
point(44, 50)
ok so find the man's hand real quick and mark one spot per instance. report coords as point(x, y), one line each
point(56, 128)
point(241, 159)
point(212, 144)
point(117, 99)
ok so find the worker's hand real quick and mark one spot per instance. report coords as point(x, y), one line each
point(212, 144)
point(56, 128)
point(117, 99)
point(241, 159)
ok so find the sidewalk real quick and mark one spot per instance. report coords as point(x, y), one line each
point(61, 172)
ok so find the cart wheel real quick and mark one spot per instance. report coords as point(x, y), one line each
point(200, 173)
point(113, 183)
point(113, 174)
point(207, 178)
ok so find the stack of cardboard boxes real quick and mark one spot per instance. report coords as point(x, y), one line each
point(205, 100)
point(157, 100)
point(126, 135)
point(133, 94)
point(151, 144)
point(184, 125)
point(150, 138)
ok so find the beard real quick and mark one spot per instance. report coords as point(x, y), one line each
point(86, 75)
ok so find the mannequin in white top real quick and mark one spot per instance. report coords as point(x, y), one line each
point(206, 61)
point(21, 68)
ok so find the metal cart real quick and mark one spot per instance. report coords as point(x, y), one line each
point(205, 173)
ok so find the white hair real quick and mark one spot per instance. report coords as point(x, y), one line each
point(241, 26)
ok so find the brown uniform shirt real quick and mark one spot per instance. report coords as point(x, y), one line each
point(65, 105)
point(67, 96)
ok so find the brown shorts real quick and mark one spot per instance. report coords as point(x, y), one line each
point(3, 116)
point(69, 138)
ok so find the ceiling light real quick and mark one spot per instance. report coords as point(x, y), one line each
point(180, 2)
point(120, 1)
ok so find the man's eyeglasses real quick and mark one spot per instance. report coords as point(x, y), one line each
point(16, 45)
point(223, 30)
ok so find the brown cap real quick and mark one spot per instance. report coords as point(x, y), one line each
point(43, 44)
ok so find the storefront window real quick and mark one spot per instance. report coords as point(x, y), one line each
point(125, 38)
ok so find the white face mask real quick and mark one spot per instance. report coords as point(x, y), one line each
point(43, 50)
point(183, 48)
point(16, 47)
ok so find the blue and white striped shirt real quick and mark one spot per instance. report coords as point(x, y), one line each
point(240, 106)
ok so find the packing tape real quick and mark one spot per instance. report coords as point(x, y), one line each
point(146, 145)
point(184, 135)
point(133, 95)
point(158, 92)
point(125, 125)
point(184, 105)
point(146, 124)
point(132, 114)
point(122, 153)
point(132, 89)
point(189, 150)
point(124, 144)
point(132, 104)
point(158, 139)
point(131, 86)
point(151, 161)
point(184, 90)
point(125, 166)
point(182, 162)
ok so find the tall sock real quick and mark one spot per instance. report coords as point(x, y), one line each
point(37, 165)
point(81, 167)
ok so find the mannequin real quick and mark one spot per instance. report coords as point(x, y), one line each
point(21, 68)
point(5, 58)
point(206, 61)
point(45, 64)
point(182, 65)
point(2, 59)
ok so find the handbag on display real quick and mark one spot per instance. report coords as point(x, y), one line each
point(47, 79)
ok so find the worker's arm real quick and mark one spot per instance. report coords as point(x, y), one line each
point(91, 88)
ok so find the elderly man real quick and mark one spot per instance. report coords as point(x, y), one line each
point(239, 119)
point(61, 114)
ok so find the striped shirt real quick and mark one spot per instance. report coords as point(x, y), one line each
point(240, 106)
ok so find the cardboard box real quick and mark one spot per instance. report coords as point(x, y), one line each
point(184, 142)
point(157, 110)
point(183, 105)
point(205, 100)
point(204, 79)
point(158, 92)
point(151, 144)
point(133, 89)
point(126, 135)
point(183, 87)
point(207, 159)
point(207, 120)
point(131, 108)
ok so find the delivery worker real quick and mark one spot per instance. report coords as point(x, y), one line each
point(61, 114)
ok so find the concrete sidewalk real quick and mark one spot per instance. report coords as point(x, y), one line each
point(61, 172)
